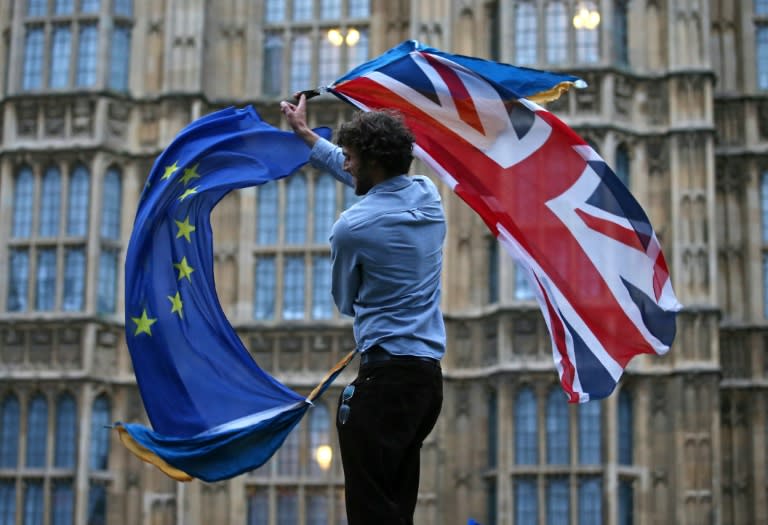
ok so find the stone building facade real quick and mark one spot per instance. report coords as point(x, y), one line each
point(92, 90)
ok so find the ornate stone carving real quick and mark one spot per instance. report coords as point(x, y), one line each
point(657, 103)
point(762, 119)
point(149, 128)
point(55, 114)
point(41, 349)
point(26, 119)
point(462, 400)
point(118, 114)
point(588, 100)
point(623, 90)
point(82, 117)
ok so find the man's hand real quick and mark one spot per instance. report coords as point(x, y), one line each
point(296, 115)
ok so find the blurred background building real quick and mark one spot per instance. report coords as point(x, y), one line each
point(92, 90)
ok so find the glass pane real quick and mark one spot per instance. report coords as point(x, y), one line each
point(296, 210)
point(89, 6)
point(120, 58)
point(526, 501)
point(319, 440)
point(765, 285)
point(267, 214)
point(493, 428)
point(111, 204)
point(526, 430)
point(301, 64)
point(557, 33)
point(287, 507)
point(37, 7)
point(10, 431)
point(23, 203)
point(325, 207)
point(491, 502)
point(107, 285)
point(620, 44)
point(62, 7)
point(274, 11)
point(97, 504)
point(317, 508)
point(124, 7)
point(61, 47)
point(590, 501)
point(74, 280)
point(587, 45)
point(63, 508)
point(761, 37)
point(100, 420)
point(87, 55)
point(18, 280)
point(288, 454)
point(558, 503)
point(302, 10)
point(7, 502)
point(258, 506)
point(293, 287)
point(37, 432)
point(493, 270)
point(66, 432)
point(264, 288)
point(359, 52)
point(78, 205)
point(50, 204)
point(590, 433)
point(761, 7)
point(523, 288)
point(273, 66)
point(46, 280)
point(626, 502)
point(625, 428)
point(558, 448)
point(622, 165)
point(33, 59)
point(322, 306)
point(526, 34)
point(33, 503)
point(359, 8)
point(329, 63)
point(330, 9)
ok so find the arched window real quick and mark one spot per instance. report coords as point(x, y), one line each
point(557, 33)
point(293, 287)
point(63, 506)
point(493, 428)
point(359, 52)
point(66, 432)
point(317, 507)
point(319, 439)
point(61, 48)
point(33, 502)
point(321, 287)
point(558, 429)
point(267, 215)
point(274, 11)
point(622, 164)
point(302, 10)
point(329, 62)
point(45, 297)
point(558, 500)
point(87, 55)
point(287, 506)
point(526, 429)
point(288, 455)
point(37, 432)
point(77, 207)
point(359, 8)
point(620, 33)
point(526, 34)
point(111, 204)
point(120, 57)
point(258, 506)
point(301, 63)
point(74, 280)
point(10, 430)
point(296, 210)
point(264, 288)
point(526, 500)
point(590, 433)
point(8, 501)
point(18, 280)
point(330, 9)
point(590, 499)
point(50, 204)
point(493, 270)
point(272, 74)
point(325, 207)
point(23, 203)
point(625, 428)
point(101, 418)
point(34, 50)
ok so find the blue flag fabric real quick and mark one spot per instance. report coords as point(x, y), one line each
point(214, 412)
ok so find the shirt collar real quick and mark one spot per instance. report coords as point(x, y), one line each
point(391, 184)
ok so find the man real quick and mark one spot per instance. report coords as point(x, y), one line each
point(386, 254)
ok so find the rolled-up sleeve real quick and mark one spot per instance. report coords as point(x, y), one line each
point(345, 268)
point(326, 156)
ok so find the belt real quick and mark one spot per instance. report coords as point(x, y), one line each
point(377, 354)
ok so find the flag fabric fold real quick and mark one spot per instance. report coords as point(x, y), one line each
point(586, 245)
point(214, 412)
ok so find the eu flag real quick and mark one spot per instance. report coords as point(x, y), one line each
point(214, 412)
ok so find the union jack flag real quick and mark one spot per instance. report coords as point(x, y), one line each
point(587, 246)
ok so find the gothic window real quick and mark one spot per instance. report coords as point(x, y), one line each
point(295, 219)
point(622, 164)
point(558, 428)
point(272, 74)
point(51, 202)
point(10, 430)
point(74, 280)
point(60, 51)
point(325, 207)
point(761, 43)
point(111, 204)
point(587, 45)
point(120, 57)
point(526, 500)
point(625, 428)
point(78, 205)
point(288, 456)
point(87, 55)
point(37, 7)
point(101, 419)
point(493, 428)
point(626, 502)
point(319, 438)
point(32, 77)
point(557, 33)
point(523, 290)
point(526, 33)
point(106, 301)
point(45, 295)
point(302, 10)
point(66, 432)
point(590, 500)
point(7, 501)
point(359, 8)
point(493, 270)
point(123, 7)
point(63, 506)
point(293, 287)
point(322, 307)
point(287, 506)
point(558, 500)
point(37, 432)
point(317, 508)
point(23, 203)
point(267, 216)
point(90, 6)
point(258, 506)
point(526, 428)
point(590, 433)
point(18, 280)
point(274, 11)
point(620, 32)
point(329, 65)
point(264, 288)
point(34, 507)
point(330, 9)
point(301, 63)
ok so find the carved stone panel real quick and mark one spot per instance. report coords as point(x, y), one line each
point(524, 337)
point(69, 354)
point(26, 119)
point(118, 114)
point(83, 111)
point(624, 88)
point(289, 354)
point(55, 116)
point(13, 346)
point(261, 349)
point(41, 349)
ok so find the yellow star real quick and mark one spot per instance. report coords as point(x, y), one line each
point(143, 323)
point(189, 174)
point(176, 304)
point(187, 193)
point(184, 229)
point(185, 270)
point(170, 170)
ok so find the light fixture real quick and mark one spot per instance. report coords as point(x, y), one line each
point(587, 16)
point(337, 38)
point(323, 456)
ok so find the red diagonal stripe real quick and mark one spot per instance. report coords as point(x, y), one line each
point(610, 229)
point(461, 97)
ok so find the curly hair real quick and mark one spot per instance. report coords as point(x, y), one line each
point(380, 137)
